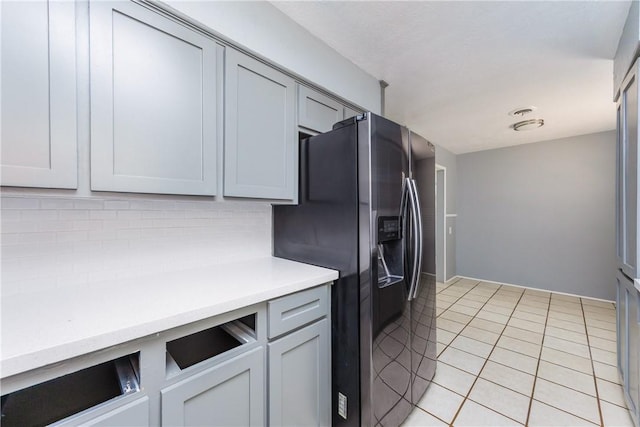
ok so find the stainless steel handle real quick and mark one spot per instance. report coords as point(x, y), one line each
point(416, 247)
point(404, 211)
point(419, 239)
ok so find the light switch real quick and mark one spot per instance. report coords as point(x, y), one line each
point(450, 230)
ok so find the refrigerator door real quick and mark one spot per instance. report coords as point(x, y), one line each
point(423, 298)
point(385, 316)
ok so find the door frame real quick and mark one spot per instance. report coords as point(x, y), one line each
point(443, 209)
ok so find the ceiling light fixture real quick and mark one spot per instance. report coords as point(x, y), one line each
point(528, 124)
point(520, 112)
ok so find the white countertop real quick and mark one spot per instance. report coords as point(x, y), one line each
point(48, 327)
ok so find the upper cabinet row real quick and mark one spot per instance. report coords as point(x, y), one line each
point(159, 119)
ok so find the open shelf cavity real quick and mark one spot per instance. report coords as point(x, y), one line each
point(204, 345)
point(59, 398)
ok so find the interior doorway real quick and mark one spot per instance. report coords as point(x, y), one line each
point(441, 218)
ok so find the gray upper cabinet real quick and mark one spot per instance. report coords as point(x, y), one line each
point(261, 151)
point(228, 394)
point(39, 144)
point(348, 112)
point(628, 47)
point(154, 103)
point(317, 112)
point(627, 169)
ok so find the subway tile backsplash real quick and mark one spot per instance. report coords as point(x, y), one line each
point(52, 241)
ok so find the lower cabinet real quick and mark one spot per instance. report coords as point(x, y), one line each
point(225, 370)
point(228, 394)
point(628, 330)
point(299, 378)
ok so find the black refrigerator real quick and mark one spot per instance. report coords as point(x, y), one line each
point(367, 209)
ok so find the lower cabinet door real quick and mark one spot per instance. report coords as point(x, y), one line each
point(633, 375)
point(621, 324)
point(300, 378)
point(132, 414)
point(229, 394)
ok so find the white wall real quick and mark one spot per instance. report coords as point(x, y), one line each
point(262, 28)
point(53, 241)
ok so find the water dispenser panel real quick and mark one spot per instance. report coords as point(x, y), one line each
point(388, 228)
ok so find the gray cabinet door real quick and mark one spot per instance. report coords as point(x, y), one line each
point(628, 341)
point(261, 151)
point(316, 111)
point(622, 325)
point(228, 394)
point(39, 145)
point(133, 414)
point(154, 99)
point(300, 378)
point(633, 349)
point(628, 174)
point(348, 112)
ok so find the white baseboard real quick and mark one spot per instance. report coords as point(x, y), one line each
point(529, 287)
point(451, 279)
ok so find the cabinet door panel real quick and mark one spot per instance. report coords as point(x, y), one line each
point(348, 113)
point(228, 394)
point(134, 414)
point(634, 347)
point(316, 111)
point(620, 195)
point(260, 148)
point(299, 378)
point(39, 145)
point(630, 100)
point(621, 327)
point(153, 103)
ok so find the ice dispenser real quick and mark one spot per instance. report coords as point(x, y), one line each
point(390, 261)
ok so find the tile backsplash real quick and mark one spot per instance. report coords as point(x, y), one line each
point(50, 241)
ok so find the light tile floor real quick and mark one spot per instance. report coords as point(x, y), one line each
point(509, 356)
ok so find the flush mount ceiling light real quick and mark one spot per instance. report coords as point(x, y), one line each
point(520, 112)
point(528, 124)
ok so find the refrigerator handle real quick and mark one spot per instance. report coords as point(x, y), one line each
point(419, 239)
point(415, 232)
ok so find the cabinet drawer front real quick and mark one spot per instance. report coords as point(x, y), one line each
point(290, 312)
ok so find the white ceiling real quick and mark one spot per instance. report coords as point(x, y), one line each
point(455, 69)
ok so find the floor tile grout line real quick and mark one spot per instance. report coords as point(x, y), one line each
point(465, 324)
point(593, 369)
point(566, 412)
point(535, 377)
point(433, 415)
point(486, 360)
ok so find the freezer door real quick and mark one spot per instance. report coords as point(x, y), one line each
point(384, 296)
point(423, 298)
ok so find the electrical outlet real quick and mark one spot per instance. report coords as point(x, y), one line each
point(342, 405)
